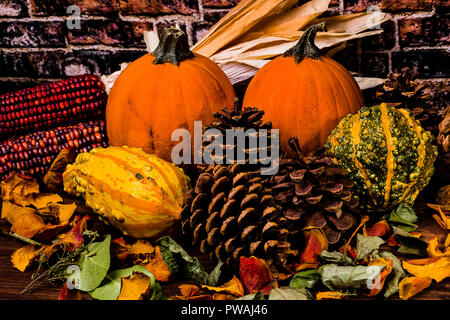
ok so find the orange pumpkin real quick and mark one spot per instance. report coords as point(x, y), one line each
point(163, 91)
point(304, 94)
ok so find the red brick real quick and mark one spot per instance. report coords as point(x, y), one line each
point(32, 34)
point(424, 31)
point(42, 64)
point(429, 63)
point(385, 40)
point(109, 32)
point(87, 7)
point(13, 8)
point(375, 64)
point(158, 7)
point(387, 5)
point(219, 3)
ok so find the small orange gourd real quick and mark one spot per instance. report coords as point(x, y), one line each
point(304, 94)
point(162, 91)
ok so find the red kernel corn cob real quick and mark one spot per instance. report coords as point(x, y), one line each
point(33, 154)
point(49, 105)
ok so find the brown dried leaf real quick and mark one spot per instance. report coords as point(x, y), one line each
point(53, 178)
point(190, 292)
point(233, 287)
point(66, 294)
point(411, 286)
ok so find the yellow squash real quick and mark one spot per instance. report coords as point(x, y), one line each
point(137, 192)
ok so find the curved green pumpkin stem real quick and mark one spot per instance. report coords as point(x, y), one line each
point(173, 47)
point(306, 48)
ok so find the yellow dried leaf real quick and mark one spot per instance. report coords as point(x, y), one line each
point(434, 251)
point(53, 177)
point(18, 188)
point(156, 265)
point(141, 247)
point(63, 212)
point(12, 212)
point(190, 292)
point(379, 282)
point(41, 200)
point(28, 225)
point(411, 286)
point(23, 257)
point(436, 268)
point(135, 287)
point(233, 287)
point(326, 295)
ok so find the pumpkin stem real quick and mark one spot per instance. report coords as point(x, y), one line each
point(173, 47)
point(305, 47)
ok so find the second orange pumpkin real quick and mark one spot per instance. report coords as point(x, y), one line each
point(304, 94)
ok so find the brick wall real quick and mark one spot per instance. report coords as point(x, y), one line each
point(36, 45)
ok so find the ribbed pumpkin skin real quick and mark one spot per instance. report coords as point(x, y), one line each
point(149, 101)
point(138, 193)
point(306, 99)
point(388, 155)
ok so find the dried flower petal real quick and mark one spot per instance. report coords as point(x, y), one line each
point(411, 286)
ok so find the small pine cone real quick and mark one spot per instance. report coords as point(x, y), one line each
point(229, 213)
point(443, 141)
point(244, 119)
point(426, 100)
point(314, 192)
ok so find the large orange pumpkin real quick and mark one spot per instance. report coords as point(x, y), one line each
point(163, 91)
point(304, 94)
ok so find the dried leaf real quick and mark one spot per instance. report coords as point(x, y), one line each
point(119, 250)
point(135, 287)
point(443, 218)
point(66, 294)
point(41, 200)
point(289, 293)
point(27, 224)
point(141, 247)
point(111, 286)
point(233, 287)
point(403, 217)
point(366, 245)
point(379, 229)
point(62, 212)
point(24, 257)
point(391, 285)
point(411, 286)
point(255, 275)
point(336, 277)
point(316, 241)
point(434, 251)
point(335, 258)
point(156, 265)
point(381, 278)
point(18, 188)
point(73, 239)
point(436, 268)
point(329, 295)
point(191, 292)
point(53, 177)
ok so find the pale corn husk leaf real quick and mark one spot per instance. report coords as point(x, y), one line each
point(294, 19)
point(238, 21)
point(151, 39)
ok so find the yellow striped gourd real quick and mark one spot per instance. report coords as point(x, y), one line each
point(136, 192)
point(387, 154)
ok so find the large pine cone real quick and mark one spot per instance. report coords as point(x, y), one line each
point(314, 192)
point(229, 213)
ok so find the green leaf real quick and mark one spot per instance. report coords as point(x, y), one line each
point(336, 277)
point(94, 264)
point(403, 217)
point(184, 266)
point(289, 293)
point(335, 257)
point(410, 245)
point(110, 287)
point(305, 279)
point(366, 245)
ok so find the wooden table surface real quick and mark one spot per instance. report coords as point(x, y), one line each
point(13, 281)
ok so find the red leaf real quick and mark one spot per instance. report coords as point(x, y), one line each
point(255, 275)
